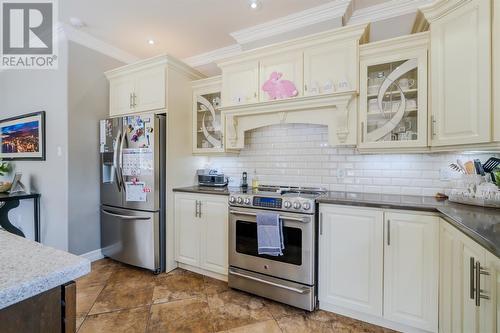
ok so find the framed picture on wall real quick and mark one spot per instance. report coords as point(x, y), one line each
point(23, 137)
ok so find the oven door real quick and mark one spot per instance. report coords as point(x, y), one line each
point(297, 262)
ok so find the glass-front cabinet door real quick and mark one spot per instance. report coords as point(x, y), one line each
point(208, 127)
point(393, 93)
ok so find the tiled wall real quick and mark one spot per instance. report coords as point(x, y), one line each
point(298, 154)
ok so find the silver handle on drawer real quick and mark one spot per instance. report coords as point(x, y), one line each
point(471, 278)
point(196, 214)
point(480, 271)
point(281, 217)
point(125, 217)
point(297, 290)
point(199, 207)
point(130, 103)
point(388, 232)
point(134, 100)
point(362, 131)
point(433, 126)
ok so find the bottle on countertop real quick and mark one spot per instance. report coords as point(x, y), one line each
point(255, 179)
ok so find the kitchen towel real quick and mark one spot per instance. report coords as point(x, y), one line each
point(270, 234)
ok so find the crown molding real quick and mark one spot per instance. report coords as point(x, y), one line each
point(438, 8)
point(87, 40)
point(387, 10)
point(213, 56)
point(305, 18)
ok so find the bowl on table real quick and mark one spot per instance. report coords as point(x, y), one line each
point(5, 186)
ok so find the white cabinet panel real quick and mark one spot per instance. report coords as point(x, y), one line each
point(458, 311)
point(290, 65)
point(460, 75)
point(351, 258)
point(187, 230)
point(214, 255)
point(121, 92)
point(240, 84)
point(327, 65)
point(496, 70)
point(411, 270)
point(150, 89)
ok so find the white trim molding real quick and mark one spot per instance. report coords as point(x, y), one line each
point(87, 40)
point(387, 10)
point(295, 21)
point(213, 56)
point(93, 255)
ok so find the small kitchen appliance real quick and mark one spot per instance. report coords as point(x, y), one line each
point(290, 278)
point(211, 177)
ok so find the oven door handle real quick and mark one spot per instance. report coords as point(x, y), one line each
point(281, 217)
point(296, 290)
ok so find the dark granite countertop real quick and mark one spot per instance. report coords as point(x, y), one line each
point(204, 190)
point(481, 224)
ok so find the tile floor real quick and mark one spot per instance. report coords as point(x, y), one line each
point(119, 298)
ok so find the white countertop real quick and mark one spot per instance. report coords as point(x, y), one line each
point(28, 268)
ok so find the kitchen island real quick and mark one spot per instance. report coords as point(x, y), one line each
point(37, 292)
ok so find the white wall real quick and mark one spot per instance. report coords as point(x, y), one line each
point(298, 154)
point(25, 91)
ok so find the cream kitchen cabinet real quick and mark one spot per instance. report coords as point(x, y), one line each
point(411, 271)
point(201, 227)
point(289, 65)
point(138, 90)
point(496, 70)
point(460, 75)
point(393, 93)
point(380, 266)
point(467, 295)
point(330, 68)
point(240, 83)
point(208, 123)
point(351, 258)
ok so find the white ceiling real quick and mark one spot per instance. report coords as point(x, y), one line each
point(182, 28)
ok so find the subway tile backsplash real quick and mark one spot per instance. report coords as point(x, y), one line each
point(298, 154)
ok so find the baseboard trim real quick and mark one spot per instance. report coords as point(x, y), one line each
point(202, 271)
point(93, 255)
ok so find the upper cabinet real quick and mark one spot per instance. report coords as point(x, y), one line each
point(460, 73)
point(240, 83)
point(330, 67)
point(142, 86)
point(393, 93)
point(496, 69)
point(208, 124)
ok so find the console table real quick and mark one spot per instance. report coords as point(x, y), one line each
point(11, 201)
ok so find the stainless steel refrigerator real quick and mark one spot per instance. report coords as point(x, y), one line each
point(133, 190)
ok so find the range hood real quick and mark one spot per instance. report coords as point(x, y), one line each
point(337, 111)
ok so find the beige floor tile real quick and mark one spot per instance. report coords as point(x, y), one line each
point(122, 296)
point(178, 286)
point(189, 315)
point(130, 321)
point(269, 326)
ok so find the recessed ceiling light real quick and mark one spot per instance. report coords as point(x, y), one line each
point(151, 42)
point(254, 4)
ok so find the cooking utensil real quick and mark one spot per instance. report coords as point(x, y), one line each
point(479, 167)
point(456, 168)
point(491, 164)
point(461, 165)
point(470, 168)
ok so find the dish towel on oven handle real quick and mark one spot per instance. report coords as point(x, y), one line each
point(270, 234)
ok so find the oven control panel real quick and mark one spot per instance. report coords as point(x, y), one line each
point(267, 202)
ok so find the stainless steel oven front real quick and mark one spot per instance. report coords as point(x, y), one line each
point(297, 263)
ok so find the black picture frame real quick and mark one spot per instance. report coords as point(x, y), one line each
point(38, 156)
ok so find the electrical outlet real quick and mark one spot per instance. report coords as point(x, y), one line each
point(341, 173)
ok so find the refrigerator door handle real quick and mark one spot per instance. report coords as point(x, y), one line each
point(115, 162)
point(125, 217)
point(120, 162)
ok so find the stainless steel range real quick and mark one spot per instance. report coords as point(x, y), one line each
point(290, 278)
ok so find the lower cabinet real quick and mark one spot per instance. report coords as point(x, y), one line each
point(201, 223)
point(379, 266)
point(467, 296)
point(411, 270)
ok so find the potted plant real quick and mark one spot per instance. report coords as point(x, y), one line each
point(4, 169)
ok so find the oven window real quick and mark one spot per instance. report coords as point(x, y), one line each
point(246, 243)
